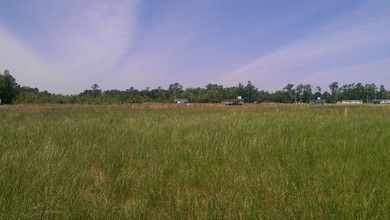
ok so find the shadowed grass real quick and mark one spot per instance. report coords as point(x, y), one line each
point(272, 162)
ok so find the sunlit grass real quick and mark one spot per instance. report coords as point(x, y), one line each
point(217, 162)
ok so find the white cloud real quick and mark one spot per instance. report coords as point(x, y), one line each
point(81, 47)
point(342, 45)
point(91, 41)
point(370, 72)
point(25, 65)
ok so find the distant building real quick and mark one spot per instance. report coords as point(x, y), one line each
point(382, 102)
point(352, 102)
point(234, 102)
point(180, 101)
point(237, 101)
point(317, 102)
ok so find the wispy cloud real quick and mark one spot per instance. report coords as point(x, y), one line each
point(377, 72)
point(343, 44)
point(84, 41)
point(66, 46)
point(26, 65)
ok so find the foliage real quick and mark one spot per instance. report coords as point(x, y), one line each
point(212, 93)
point(8, 87)
point(11, 92)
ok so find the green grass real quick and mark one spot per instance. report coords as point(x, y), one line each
point(263, 162)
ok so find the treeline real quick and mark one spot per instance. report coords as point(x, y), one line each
point(11, 92)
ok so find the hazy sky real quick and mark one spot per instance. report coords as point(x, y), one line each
point(65, 46)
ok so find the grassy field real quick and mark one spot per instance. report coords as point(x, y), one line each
point(247, 162)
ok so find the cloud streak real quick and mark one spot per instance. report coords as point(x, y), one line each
point(84, 41)
point(66, 46)
point(14, 53)
point(328, 52)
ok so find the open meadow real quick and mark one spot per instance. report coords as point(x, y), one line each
point(195, 162)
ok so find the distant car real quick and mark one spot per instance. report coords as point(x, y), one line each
point(317, 102)
point(384, 101)
point(234, 102)
point(180, 101)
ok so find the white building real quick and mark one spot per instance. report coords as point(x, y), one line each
point(384, 101)
point(352, 102)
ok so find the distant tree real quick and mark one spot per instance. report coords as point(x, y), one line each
point(318, 92)
point(326, 96)
point(96, 91)
point(264, 96)
point(231, 92)
point(250, 92)
point(145, 93)
point(214, 93)
point(91, 96)
point(162, 94)
point(370, 92)
point(304, 92)
point(11, 92)
point(33, 95)
point(382, 94)
point(175, 89)
point(8, 87)
point(357, 92)
point(299, 92)
point(280, 96)
point(133, 95)
point(28, 89)
point(334, 88)
point(307, 93)
point(95, 87)
point(195, 95)
point(290, 92)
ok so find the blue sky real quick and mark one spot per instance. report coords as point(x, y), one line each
point(67, 46)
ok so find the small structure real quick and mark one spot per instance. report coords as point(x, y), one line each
point(237, 101)
point(317, 102)
point(354, 102)
point(180, 101)
point(382, 102)
point(234, 102)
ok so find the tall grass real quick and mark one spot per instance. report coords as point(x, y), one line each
point(270, 162)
